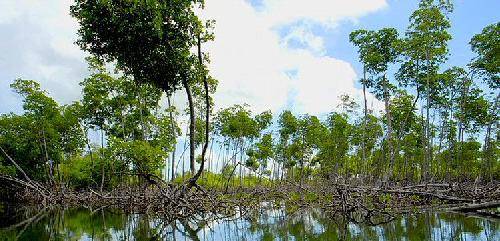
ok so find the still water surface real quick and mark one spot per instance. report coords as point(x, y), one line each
point(266, 224)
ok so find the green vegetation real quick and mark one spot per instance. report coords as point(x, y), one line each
point(437, 123)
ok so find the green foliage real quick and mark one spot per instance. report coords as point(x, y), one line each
point(236, 122)
point(141, 156)
point(44, 135)
point(369, 132)
point(221, 180)
point(139, 136)
point(82, 171)
point(264, 150)
point(487, 47)
point(6, 169)
point(149, 40)
point(335, 143)
point(151, 44)
point(377, 49)
point(48, 140)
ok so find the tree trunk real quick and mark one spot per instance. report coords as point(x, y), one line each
point(427, 122)
point(102, 160)
point(451, 145)
point(465, 90)
point(405, 123)
point(487, 143)
point(175, 135)
point(241, 163)
point(207, 118)
point(363, 143)
point(427, 134)
point(87, 141)
point(49, 162)
point(389, 129)
point(16, 165)
point(422, 126)
point(191, 126)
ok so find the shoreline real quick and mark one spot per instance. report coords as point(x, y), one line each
point(357, 203)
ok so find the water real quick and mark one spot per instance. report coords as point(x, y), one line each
point(263, 224)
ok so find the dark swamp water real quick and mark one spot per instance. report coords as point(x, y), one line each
point(262, 224)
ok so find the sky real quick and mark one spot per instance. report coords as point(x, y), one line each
point(270, 54)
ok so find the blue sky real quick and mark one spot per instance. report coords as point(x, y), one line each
point(271, 54)
point(469, 18)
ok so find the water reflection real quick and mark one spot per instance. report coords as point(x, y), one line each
point(265, 224)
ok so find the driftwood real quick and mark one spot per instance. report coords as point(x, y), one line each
point(429, 194)
point(29, 183)
point(28, 221)
point(479, 210)
point(475, 207)
point(430, 185)
point(15, 164)
point(358, 203)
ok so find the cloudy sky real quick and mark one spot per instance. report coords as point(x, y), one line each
point(270, 54)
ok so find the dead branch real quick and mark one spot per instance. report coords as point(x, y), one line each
point(475, 207)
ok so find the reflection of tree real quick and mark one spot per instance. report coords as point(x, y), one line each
point(265, 225)
point(69, 225)
point(189, 231)
point(314, 225)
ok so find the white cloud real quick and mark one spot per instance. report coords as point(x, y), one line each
point(302, 34)
point(249, 57)
point(326, 12)
point(39, 44)
point(251, 60)
point(246, 57)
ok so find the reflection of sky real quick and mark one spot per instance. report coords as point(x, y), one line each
point(276, 220)
point(264, 223)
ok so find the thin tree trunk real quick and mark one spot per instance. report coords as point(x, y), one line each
point(487, 166)
point(407, 117)
point(405, 123)
point(363, 143)
point(87, 141)
point(17, 166)
point(102, 160)
point(441, 141)
point(422, 126)
point(125, 138)
point(427, 122)
point(431, 149)
point(441, 133)
point(241, 164)
point(427, 135)
point(487, 142)
point(207, 117)
point(191, 125)
point(451, 144)
point(389, 129)
point(171, 115)
point(465, 90)
point(49, 162)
